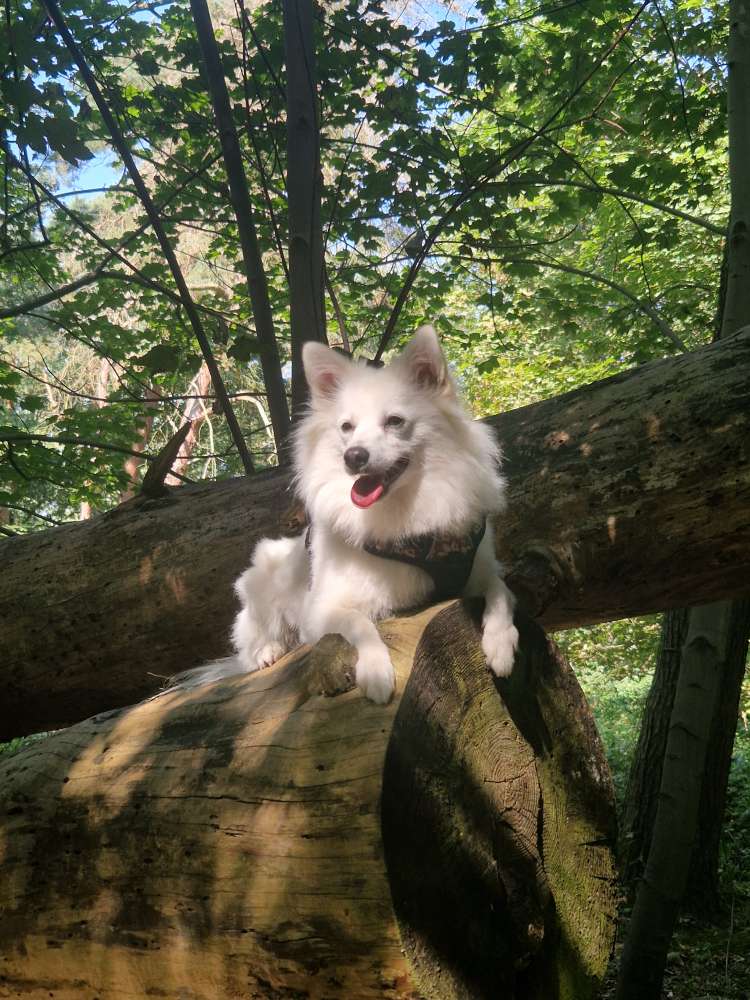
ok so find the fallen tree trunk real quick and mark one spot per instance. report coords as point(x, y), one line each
point(277, 835)
point(627, 496)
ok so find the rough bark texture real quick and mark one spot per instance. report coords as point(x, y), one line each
point(644, 779)
point(625, 497)
point(303, 183)
point(732, 314)
point(676, 822)
point(702, 893)
point(277, 835)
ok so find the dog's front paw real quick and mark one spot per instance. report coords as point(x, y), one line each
point(375, 675)
point(268, 654)
point(499, 643)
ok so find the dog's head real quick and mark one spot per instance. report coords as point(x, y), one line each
point(384, 450)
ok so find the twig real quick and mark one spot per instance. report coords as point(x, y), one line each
point(729, 944)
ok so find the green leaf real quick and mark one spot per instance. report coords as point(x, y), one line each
point(161, 358)
point(147, 64)
point(33, 403)
point(61, 136)
point(244, 348)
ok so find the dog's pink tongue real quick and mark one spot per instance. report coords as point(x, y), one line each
point(366, 490)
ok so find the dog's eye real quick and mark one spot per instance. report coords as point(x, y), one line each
point(347, 426)
point(394, 421)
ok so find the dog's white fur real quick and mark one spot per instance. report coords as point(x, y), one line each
point(451, 481)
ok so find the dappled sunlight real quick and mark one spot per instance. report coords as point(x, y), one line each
point(556, 439)
point(146, 570)
point(653, 427)
point(176, 583)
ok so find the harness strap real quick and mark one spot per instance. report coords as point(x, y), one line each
point(447, 559)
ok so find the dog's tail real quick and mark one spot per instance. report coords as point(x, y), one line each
point(219, 670)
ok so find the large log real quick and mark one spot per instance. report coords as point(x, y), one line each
point(277, 835)
point(627, 496)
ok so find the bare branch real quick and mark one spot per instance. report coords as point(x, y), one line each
point(642, 306)
point(31, 513)
point(539, 181)
point(21, 436)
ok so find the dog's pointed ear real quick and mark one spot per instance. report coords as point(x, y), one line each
point(425, 361)
point(324, 369)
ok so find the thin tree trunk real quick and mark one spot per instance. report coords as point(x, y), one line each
point(608, 516)
point(644, 779)
point(663, 885)
point(133, 464)
point(257, 283)
point(303, 181)
point(702, 893)
point(737, 307)
point(101, 391)
point(690, 792)
point(194, 413)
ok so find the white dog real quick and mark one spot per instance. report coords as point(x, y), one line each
point(398, 481)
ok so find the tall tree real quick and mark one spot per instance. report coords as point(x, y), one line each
point(717, 635)
point(733, 314)
point(303, 184)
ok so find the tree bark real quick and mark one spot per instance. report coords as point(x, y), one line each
point(141, 443)
point(627, 496)
point(702, 893)
point(644, 779)
point(194, 412)
point(303, 183)
point(737, 305)
point(277, 835)
point(732, 314)
point(665, 878)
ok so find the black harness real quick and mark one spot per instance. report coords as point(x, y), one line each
point(447, 559)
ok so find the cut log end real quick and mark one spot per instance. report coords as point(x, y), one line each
point(276, 835)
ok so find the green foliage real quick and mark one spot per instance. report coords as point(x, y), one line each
point(614, 663)
point(536, 155)
point(735, 846)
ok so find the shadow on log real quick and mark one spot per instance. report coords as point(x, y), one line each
point(278, 836)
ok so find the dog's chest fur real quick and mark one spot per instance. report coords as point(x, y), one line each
point(369, 583)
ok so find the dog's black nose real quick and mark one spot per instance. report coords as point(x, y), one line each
point(356, 458)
